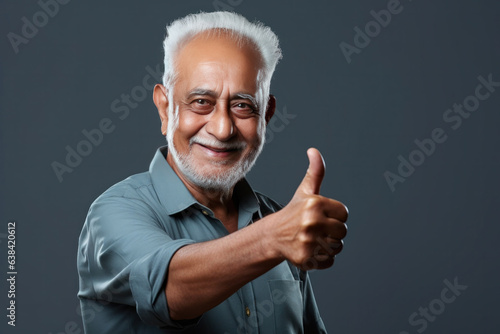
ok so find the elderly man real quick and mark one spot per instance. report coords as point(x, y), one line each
point(189, 247)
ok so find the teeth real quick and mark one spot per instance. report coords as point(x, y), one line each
point(216, 145)
point(218, 148)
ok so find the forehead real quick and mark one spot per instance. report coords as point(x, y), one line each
point(217, 58)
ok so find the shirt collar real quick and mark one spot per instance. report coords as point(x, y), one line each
point(174, 195)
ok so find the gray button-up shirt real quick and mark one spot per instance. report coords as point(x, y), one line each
point(132, 231)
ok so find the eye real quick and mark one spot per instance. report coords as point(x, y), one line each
point(201, 101)
point(244, 108)
point(201, 105)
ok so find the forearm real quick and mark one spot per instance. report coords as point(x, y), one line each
point(202, 275)
point(307, 232)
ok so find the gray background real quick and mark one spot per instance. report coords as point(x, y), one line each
point(440, 224)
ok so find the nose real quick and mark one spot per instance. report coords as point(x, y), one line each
point(220, 124)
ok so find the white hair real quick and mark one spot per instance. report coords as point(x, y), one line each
point(244, 33)
point(181, 31)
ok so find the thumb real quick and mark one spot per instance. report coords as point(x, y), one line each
point(315, 173)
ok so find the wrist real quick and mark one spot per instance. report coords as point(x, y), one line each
point(269, 243)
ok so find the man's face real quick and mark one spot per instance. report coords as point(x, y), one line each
point(220, 128)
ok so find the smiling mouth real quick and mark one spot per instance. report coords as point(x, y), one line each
point(219, 149)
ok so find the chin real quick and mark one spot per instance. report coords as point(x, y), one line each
point(223, 179)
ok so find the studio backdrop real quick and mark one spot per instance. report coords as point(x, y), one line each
point(401, 97)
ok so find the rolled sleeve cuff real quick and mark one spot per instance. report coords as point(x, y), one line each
point(147, 283)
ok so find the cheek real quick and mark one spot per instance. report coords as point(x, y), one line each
point(189, 125)
point(248, 130)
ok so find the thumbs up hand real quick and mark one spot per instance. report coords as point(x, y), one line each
point(309, 230)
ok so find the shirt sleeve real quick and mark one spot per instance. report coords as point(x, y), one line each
point(124, 255)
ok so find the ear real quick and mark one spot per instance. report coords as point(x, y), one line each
point(271, 108)
point(160, 99)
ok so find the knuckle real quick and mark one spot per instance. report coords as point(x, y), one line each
point(309, 225)
point(306, 239)
point(344, 212)
point(337, 248)
point(343, 231)
point(312, 203)
point(341, 211)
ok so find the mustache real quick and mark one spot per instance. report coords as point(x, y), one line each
point(216, 144)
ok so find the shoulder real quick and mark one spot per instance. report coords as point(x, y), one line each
point(135, 191)
point(129, 204)
point(131, 187)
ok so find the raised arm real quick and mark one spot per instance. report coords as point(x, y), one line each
point(308, 232)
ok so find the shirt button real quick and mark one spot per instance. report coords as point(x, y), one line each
point(247, 311)
point(204, 212)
